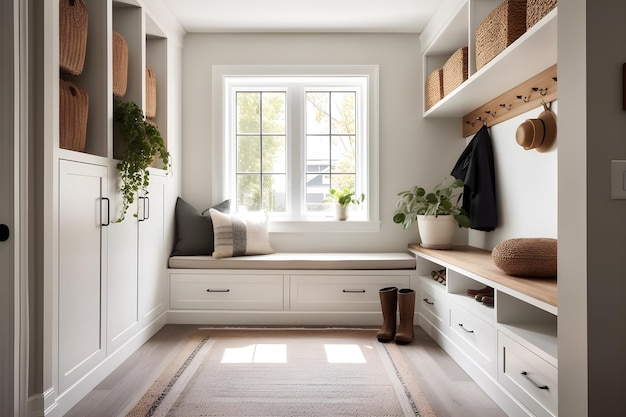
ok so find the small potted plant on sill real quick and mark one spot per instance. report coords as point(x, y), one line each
point(438, 213)
point(141, 144)
point(343, 199)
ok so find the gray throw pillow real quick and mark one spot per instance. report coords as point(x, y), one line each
point(194, 232)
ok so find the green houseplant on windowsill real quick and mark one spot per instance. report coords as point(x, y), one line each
point(439, 208)
point(343, 199)
point(142, 144)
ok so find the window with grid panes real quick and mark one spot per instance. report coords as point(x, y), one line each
point(289, 139)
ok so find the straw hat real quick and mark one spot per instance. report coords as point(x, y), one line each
point(539, 133)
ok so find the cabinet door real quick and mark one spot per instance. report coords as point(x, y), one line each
point(82, 268)
point(152, 256)
point(123, 282)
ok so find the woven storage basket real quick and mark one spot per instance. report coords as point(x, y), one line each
point(73, 23)
point(120, 64)
point(433, 90)
point(73, 112)
point(150, 93)
point(537, 9)
point(527, 257)
point(455, 70)
point(501, 27)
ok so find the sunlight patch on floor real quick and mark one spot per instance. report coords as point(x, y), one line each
point(344, 354)
point(256, 353)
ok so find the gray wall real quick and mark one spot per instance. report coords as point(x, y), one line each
point(412, 150)
point(592, 242)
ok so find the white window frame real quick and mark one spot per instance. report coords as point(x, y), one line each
point(225, 76)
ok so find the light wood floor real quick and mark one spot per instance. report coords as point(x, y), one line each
point(451, 392)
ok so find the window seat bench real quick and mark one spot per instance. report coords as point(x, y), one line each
point(285, 288)
point(299, 261)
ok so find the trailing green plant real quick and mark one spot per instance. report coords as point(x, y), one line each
point(345, 197)
point(445, 199)
point(142, 144)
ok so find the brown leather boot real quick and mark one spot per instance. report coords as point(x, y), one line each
point(388, 304)
point(406, 306)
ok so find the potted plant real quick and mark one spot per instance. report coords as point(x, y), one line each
point(438, 213)
point(142, 143)
point(343, 199)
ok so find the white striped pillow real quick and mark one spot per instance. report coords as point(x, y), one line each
point(240, 234)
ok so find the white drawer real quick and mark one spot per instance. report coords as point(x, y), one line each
point(432, 304)
point(476, 337)
point(340, 292)
point(226, 292)
point(531, 379)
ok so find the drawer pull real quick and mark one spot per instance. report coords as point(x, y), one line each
point(428, 302)
point(354, 291)
point(462, 327)
point(525, 375)
point(218, 290)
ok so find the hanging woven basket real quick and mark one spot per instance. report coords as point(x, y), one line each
point(73, 23)
point(73, 114)
point(120, 64)
point(150, 93)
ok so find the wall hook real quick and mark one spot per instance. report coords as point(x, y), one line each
point(504, 106)
point(543, 91)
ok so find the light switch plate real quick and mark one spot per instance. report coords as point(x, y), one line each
point(618, 180)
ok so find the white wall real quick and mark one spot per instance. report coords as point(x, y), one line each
point(526, 186)
point(412, 150)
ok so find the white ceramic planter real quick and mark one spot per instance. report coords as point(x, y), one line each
point(437, 232)
point(341, 212)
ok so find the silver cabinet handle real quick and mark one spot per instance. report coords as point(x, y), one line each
point(462, 327)
point(354, 291)
point(428, 302)
point(218, 290)
point(525, 375)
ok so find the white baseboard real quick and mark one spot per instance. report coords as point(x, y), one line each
point(274, 318)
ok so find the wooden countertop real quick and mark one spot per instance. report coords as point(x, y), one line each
point(479, 262)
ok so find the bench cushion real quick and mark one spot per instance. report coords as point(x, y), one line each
point(298, 261)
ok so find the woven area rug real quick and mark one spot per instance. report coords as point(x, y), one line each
point(285, 372)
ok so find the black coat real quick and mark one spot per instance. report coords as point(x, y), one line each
point(476, 168)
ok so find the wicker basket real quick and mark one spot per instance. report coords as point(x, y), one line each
point(455, 70)
point(433, 90)
point(73, 22)
point(537, 9)
point(501, 27)
point(120, 64)
point(73, 112)
point(150, 93)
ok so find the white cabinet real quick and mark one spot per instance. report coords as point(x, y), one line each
point(345, 292)
point(83, 212)
point(136, 259)
point(105, 289)
point(509, 348)
point(226, 291)
point(281, 297)
point(454, 26)
point(152, 250)
point(123, 286)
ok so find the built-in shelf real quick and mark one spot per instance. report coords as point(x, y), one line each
point(529, 55)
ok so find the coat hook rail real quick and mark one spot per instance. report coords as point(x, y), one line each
point(520, 99)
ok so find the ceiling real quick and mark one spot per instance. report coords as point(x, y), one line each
point(406, 16)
